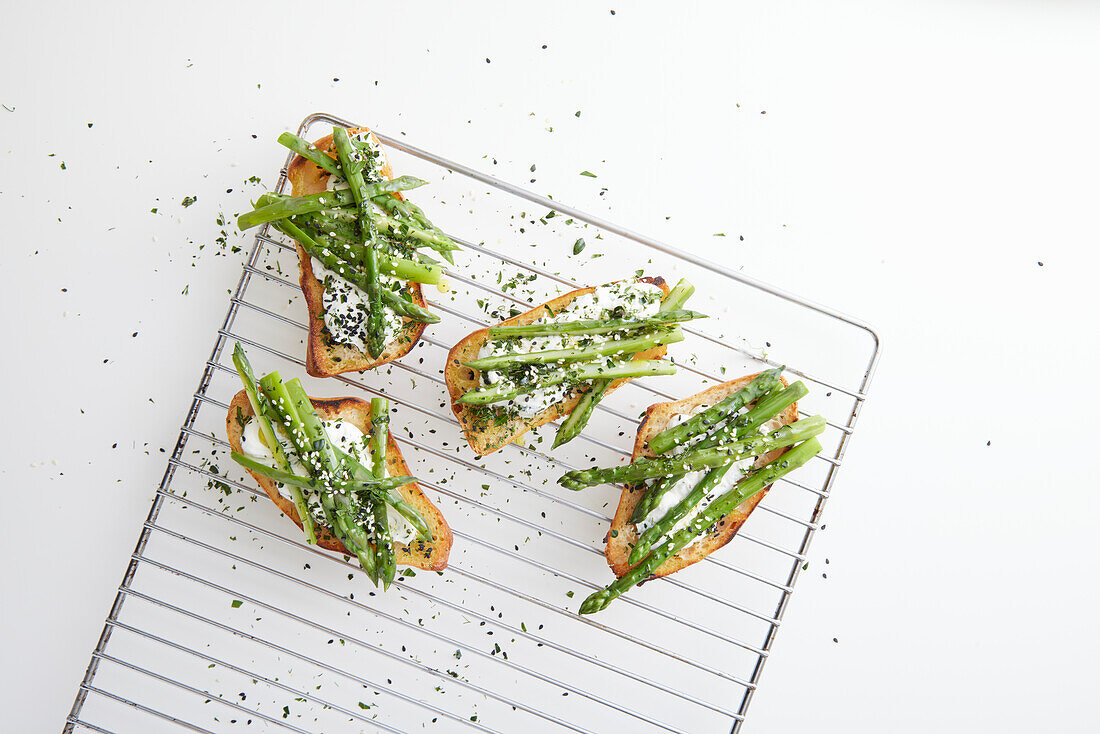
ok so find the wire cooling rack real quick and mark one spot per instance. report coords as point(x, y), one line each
point(226, 621)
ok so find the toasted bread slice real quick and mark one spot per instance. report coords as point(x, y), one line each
point(324, 357)
point(485, 428)
point(620, 541)
point(429, 556)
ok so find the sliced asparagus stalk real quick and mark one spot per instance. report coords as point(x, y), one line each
point(407, 210)
point(414, 216)
point(282, 207)
point(267, 432)
point(367, 486)
point(361, 482)
point(696, 459)
point(628, 346)
point(714, 512)
point(590, 326)
point(339, 223)
point(364, 477)
point(660, 528)
point(307, 436)
point(572, 426)
point(669, 438)
point(383, 539)
point(410, 213)
point(341, 220)
point(407, 220)
point(348, 272)
point(347, 508)
point(352, 168)
point(310, 152)
point(353, 252)
point(652, 497)
point(507, 391)
point(678, 296)
point(766, 408)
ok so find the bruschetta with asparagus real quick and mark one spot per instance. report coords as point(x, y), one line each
point(561, 358)
point(361, 250)
point(333, 467)
point(699, 467)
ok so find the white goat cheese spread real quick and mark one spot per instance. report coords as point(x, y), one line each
point(625, 300)
point(346, 311)
point(686, 484)
point(343, 434)
point(372, 159)
point(345, 304)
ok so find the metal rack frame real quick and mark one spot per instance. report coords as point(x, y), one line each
point(544, 716)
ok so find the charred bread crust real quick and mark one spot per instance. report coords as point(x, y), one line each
point(488, 430)
point(625, 535)
point(324, 357)
point(429, 556)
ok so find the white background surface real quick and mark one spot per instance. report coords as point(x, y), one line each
point(915, 164)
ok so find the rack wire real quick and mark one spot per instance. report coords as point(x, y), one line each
point(225, 619)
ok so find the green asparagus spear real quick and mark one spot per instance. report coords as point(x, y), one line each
point(363, 479)
point(714, 512)
point(421, 227)
point(678, 296)
point(352, 167)
point(660, 528)
point(410, 213)
point(267, 432)
point(340, 218)
point(348, 272)
point(669, 438)
point(590, 326)
point(383, 539)
point(345, 508)
point(310, 152)
point(508, 390)
point(293, 412)
point(407, 220)
point(575, 422)
point(652, 497)
point(767, 407)
point(339, 223)
point(695, 459)
point(362, 483)
point(368, 486)
point(283, 207)
point(628, 346)
point(403, 268)
point(572, 426)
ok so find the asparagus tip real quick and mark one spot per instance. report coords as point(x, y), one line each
point(594, 603)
